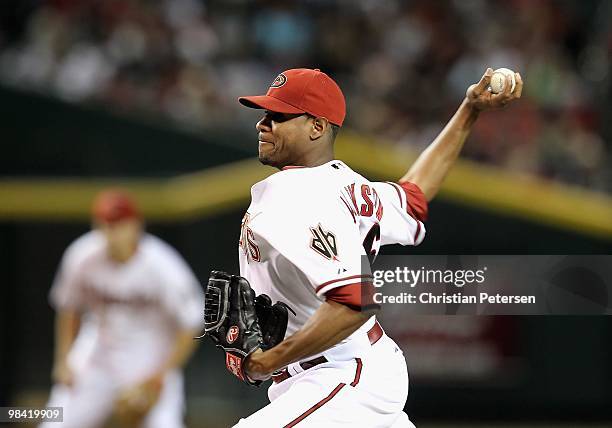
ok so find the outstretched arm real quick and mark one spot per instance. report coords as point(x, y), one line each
point(432, 166)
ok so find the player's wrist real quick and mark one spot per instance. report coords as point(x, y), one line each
point(257, 367)
point(468, 113)
point(471, 107)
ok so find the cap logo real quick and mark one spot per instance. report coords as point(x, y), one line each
point(280, 80)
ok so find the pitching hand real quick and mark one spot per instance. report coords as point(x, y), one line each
point(480, 98)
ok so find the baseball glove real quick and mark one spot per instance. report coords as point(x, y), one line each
point(272, 319)
point(239, 323)
point(230, 320)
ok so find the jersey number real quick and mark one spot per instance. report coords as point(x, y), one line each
point(371, 243)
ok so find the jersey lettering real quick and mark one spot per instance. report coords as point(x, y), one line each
point(349, 208)
point(350, 189)
point(371, 210)
point(377, 202)
point(371, 202)
point(368, 207)
point(324, 242)
point(252, 246)
point(247, 240)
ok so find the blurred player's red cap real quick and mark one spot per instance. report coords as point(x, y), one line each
point(302, 90)
point(114, 205)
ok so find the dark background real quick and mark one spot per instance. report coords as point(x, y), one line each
point(130, 89)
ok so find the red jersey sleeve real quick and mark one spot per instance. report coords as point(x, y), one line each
point(416, 204)
point(358, 296)
point(405, 211)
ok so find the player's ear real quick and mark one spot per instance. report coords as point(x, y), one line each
point(319, 127)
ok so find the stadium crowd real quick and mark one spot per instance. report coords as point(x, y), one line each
point(403, 65)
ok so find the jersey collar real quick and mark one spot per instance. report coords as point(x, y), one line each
point(288, 167)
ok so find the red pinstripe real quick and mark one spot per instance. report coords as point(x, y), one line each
point(358, 372)
point(399, 195)
point(315, 407)
point(418, 230)
point(331, 395)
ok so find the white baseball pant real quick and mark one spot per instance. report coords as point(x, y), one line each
point(90, 402)
point(369, 392)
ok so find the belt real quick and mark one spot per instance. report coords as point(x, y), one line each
point(374, 334)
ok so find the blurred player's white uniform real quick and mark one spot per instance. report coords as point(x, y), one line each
point(303, 240)
point(131, 313)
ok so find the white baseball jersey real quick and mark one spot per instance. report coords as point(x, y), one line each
point(307, 230)
point(132, 310)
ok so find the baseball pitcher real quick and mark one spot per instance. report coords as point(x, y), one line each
point(304, 247)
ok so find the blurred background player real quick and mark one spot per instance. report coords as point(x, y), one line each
point(127, 308)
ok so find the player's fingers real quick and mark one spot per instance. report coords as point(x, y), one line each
point(508, 87)
point(519, 85)
point(485, 80)
point(501, 99)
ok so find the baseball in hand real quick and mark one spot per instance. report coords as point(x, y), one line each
point(498, 80)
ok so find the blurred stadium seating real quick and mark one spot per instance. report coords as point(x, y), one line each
point(404, 66)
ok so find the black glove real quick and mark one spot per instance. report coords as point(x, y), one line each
point(230, 320)
point(272, 320)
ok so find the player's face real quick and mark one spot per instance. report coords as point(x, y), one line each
point(283, 138)
point(121, 238)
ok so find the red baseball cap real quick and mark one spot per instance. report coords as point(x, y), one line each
point(114, 205)
point(302, 90)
